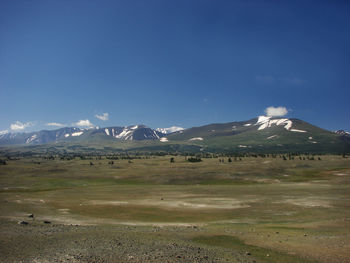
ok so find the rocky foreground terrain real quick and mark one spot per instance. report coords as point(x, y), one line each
point(47, 242)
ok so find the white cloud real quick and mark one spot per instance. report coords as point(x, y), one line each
point(84, 123)
point(276, 111)
point(103, 117)
point(55, 124)
point(18, 126)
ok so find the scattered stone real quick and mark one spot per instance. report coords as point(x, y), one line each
point(277, 232)
point(267, 255)
point(305, 235)
point(23, 223)
point(47, 222)
point(248, 253)
point(31, 216)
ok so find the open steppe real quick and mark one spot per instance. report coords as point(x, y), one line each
point(253, 209)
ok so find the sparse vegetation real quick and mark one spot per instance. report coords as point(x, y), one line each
point(228, 211)
point(194, 159)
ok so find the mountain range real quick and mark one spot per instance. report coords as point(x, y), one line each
point(261, 134)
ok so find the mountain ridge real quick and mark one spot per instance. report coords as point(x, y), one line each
point(261, 133)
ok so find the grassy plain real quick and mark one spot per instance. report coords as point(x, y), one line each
point(151, 210)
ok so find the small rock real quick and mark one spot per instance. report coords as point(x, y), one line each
point(23, 223)
point(267, 255)
point(47, 222)
point(305, 235)
point(248, 253)
point(31, 216)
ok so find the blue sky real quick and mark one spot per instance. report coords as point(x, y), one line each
point(164, 62)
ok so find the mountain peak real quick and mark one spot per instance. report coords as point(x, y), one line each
point(133, 132)
point(267, 121)
point(4, 132)
point(263, 133)
point(342, 132)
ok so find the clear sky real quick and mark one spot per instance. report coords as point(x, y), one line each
point(172, 62)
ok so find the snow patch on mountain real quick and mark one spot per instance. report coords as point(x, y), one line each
point(271, 137)
point(196, 139)
point(32, 138)
point(263, 119)
point(136, 132)
point(342, 132)
point(266, 122)
point(4, 132)
point(296, 130)
point(77, 133)
point(126, 134)
point(156, 135)
point(164, 139)
point(170, 129)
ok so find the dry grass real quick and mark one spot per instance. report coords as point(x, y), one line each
point(306, 202)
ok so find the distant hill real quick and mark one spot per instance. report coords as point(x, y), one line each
point(261, 134)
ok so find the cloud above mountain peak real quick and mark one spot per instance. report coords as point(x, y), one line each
point(103, 117)
point(84, 123)
point(18, 126)
point(276, 111)
point(56, 124)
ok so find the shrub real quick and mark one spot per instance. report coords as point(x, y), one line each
point(194, 159)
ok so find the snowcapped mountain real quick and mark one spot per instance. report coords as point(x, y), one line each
point(342, 132)
point(40, 137)
point(3, 132)
point(260, 134)
point(266, 122)
point(130, 133)
point(170, 129)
